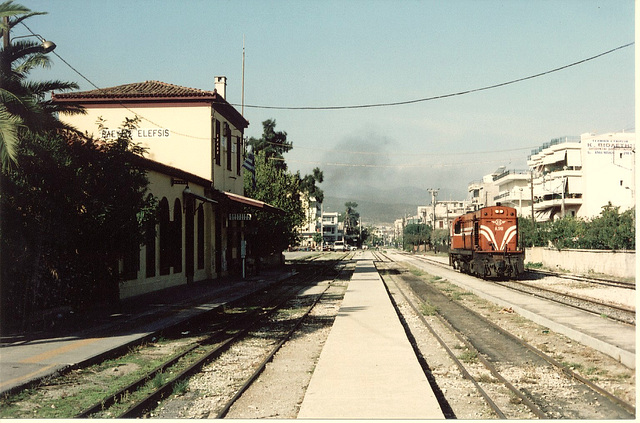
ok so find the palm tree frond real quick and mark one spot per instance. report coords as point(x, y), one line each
point(8, 8)
point(9, 126)
point(45, 87)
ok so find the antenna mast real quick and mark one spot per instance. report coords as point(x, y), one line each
point(242, 110)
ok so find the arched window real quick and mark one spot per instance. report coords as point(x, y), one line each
point(176, 242)
point(165, 236)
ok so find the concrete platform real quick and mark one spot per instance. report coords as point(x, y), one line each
point(23, 361)
point(367, 368)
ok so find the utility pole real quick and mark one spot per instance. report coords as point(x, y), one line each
point(564, 188)
point(533, 217)
point(434, 194)
point(322, 226)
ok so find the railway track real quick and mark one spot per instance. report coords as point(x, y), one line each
point(185, 352)
point(591, 280)
point(515, 379)
point(599, 307)
point(603, 308)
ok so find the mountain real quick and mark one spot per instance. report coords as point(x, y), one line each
point(380, 207)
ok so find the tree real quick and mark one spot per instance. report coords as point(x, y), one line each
point(277, 186)
point(272, 143)
point(317, 238)
point(351, 220)
point(274, 232)
point(528, 233)
point(416, 234)
point(309, 187)
point(23, 106)
point(565, 233)
point(439, 238)
point(73, 209)
point(611, 230)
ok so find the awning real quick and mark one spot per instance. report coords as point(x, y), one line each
point(543, 215)
point(257, 204)
point(574, 158)
point(574, 185)
point(557, 156)
point(188, 191)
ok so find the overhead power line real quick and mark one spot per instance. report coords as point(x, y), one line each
point(397, 103)
point(438, 97)
point(390, 166)
point(412, 154)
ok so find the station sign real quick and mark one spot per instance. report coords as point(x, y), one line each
point(136, 133)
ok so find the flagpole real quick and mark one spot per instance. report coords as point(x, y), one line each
point(242, 111)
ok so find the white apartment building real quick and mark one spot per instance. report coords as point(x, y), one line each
point(384, 235)
point(514, 190)
point(482, 192)
point(577, 176)
point(445, 211)
point(331, 228)
point(608, 171)
point(311, 224)
point(398, 231)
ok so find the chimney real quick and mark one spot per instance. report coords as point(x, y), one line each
point(221, 85)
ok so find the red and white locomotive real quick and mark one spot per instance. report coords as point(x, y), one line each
point(485, 243)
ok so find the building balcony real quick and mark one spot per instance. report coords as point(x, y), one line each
point(512, 175)
point(551, 200)
point(514, 196)
point(555, 141)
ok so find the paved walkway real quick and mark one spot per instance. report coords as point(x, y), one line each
point(26, 360)
point(367, 368)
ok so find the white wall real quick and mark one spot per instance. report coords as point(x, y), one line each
point(619, 263)
point(178, 136)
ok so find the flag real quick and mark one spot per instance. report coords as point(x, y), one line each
point(249, 164)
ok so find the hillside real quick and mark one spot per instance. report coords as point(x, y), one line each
point(380, 207)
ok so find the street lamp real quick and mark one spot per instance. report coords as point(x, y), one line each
point(45, 47)
point(520, 204)
point(5, 62)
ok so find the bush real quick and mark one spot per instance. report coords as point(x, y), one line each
point(71, 209)
point(611, 230)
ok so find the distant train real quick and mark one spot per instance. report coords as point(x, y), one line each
point(485, 243)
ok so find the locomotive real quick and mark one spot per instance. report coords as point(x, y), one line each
point(485, 243)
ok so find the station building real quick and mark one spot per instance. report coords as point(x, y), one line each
point(194, 141)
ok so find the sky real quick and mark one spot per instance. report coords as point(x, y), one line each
point(305, 60)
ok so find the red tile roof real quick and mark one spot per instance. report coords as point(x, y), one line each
point(139, 90)
point(152, 91)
